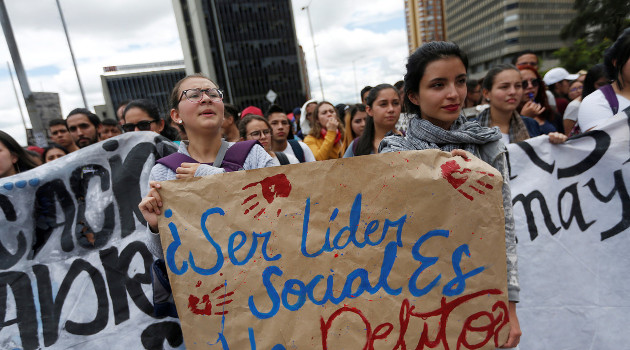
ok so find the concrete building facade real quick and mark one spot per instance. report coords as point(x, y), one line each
point(492, 31)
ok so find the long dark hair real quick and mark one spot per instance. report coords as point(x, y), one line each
point(616, 56)
point(596, 72)
point(365, 142)
point(24, 162)
point(151, 109)
point(418, 61)
point(351, 113)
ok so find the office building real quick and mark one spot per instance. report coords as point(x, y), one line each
point(247, 46)
point(492, 32)
point(152, 81)
point(425, 22)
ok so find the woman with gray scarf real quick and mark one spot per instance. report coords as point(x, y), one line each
point(435, 87)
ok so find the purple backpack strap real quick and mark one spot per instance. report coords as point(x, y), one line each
point(235, 155)
point(174, 160)
point(611, 97)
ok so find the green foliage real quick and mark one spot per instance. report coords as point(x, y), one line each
point(596, 20)
point(581, 54)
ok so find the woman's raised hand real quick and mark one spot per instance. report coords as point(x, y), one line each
point(150, 206)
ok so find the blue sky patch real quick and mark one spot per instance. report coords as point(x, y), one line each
point(42, 71)
point(388, 24)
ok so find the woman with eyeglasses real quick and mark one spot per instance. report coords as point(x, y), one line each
point(197, 104)
point(143, 115)
point(256, 127)
point(534, 100)
point(325, 138)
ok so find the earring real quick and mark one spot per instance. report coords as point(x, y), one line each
point(180, 121)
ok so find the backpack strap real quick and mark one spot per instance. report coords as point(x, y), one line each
point(173, 161)
point(235, 155)
point(297, 150)
point(282, 158)
point(233, 158)
point(611, 97)
point(221, 154)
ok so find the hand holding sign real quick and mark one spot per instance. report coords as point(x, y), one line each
point(464, 179)
point(271, 187)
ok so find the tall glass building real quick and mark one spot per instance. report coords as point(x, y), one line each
point(247, 46)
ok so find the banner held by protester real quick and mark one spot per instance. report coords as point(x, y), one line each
point(74, 268)
point(572, 215)
point(394, 249)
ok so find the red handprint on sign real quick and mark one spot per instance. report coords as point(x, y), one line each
point(272, 187)
point(457, 177)
point(194, 302)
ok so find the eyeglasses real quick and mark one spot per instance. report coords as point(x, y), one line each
point(196, 95)
point(534, 82)
point(258, 133)
point(144, 125)
point(576, 89)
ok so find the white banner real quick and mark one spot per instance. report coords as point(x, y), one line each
point(74, 268)
point(572, 211)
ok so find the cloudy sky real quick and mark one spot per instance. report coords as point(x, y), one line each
point(358, 43)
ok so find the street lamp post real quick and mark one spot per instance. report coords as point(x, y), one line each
point(74, 61)
point(319, 74)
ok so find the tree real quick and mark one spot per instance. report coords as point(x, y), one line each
point(581, 54)
point(596, 20)
point(597, 23)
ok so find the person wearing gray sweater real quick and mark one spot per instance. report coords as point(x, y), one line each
point(435, 90)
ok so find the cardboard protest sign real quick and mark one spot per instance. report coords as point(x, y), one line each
point(572, 215)
point(74, 268)
point(399, 250)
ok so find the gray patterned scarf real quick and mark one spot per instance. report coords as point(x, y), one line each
point(422, 134)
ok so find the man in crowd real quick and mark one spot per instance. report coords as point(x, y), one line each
point(60, 135)
point(526, 58)
point(109, 128)
point(529, 58)
point(282, 136)
point(83, 126)
point(229, 129)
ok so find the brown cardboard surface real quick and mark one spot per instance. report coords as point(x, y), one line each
point(315, 280)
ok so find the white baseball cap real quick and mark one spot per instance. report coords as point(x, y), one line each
point(558, 74)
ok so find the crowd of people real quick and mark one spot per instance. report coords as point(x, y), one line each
point(436, 106)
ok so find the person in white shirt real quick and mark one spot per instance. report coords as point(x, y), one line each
point(596, 108)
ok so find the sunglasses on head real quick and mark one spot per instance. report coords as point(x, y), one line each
point(144, 125)
point(534, 82)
